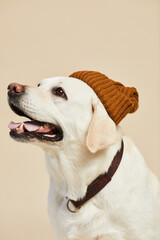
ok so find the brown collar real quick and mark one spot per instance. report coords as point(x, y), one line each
point(99, 183)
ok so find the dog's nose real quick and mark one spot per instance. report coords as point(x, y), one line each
point(15, 88)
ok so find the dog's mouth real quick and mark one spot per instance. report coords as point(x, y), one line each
point(28, 130)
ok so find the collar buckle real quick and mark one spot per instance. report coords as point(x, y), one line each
point(68, 207)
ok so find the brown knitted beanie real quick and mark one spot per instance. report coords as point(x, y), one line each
point(117, 99)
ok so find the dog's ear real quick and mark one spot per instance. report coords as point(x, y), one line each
point(102, 130)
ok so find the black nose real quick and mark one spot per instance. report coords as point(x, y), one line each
point(15, 88)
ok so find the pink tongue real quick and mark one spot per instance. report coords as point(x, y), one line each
point(13, 125)
point(29, 126)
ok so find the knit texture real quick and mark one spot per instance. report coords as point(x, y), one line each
point(117, 99)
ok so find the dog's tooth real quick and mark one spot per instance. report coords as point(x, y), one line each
point(46, 125)
point(21, 127)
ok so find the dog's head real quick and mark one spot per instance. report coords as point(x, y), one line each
point(62, 110)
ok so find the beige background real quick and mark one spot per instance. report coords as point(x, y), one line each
point(46, 38)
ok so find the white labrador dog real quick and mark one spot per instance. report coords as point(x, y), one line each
point(80, 141)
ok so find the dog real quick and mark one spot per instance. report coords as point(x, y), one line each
point(67, 119)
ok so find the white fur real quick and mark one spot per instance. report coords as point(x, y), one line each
point(128, 208)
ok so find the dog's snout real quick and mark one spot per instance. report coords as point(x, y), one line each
point(16, 88)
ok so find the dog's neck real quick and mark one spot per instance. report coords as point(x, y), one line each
point(71, 170)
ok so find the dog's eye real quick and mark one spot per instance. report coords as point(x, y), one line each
point(59, 92)
point(38, 85)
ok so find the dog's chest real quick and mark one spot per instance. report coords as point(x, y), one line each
point(92, 220)
point(87, 224)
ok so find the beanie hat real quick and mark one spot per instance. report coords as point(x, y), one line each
point(117, 99)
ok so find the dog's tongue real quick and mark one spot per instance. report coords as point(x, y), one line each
point(30, 126)
point(13, 125)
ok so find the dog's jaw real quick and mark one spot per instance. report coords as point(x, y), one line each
point(22, 105)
